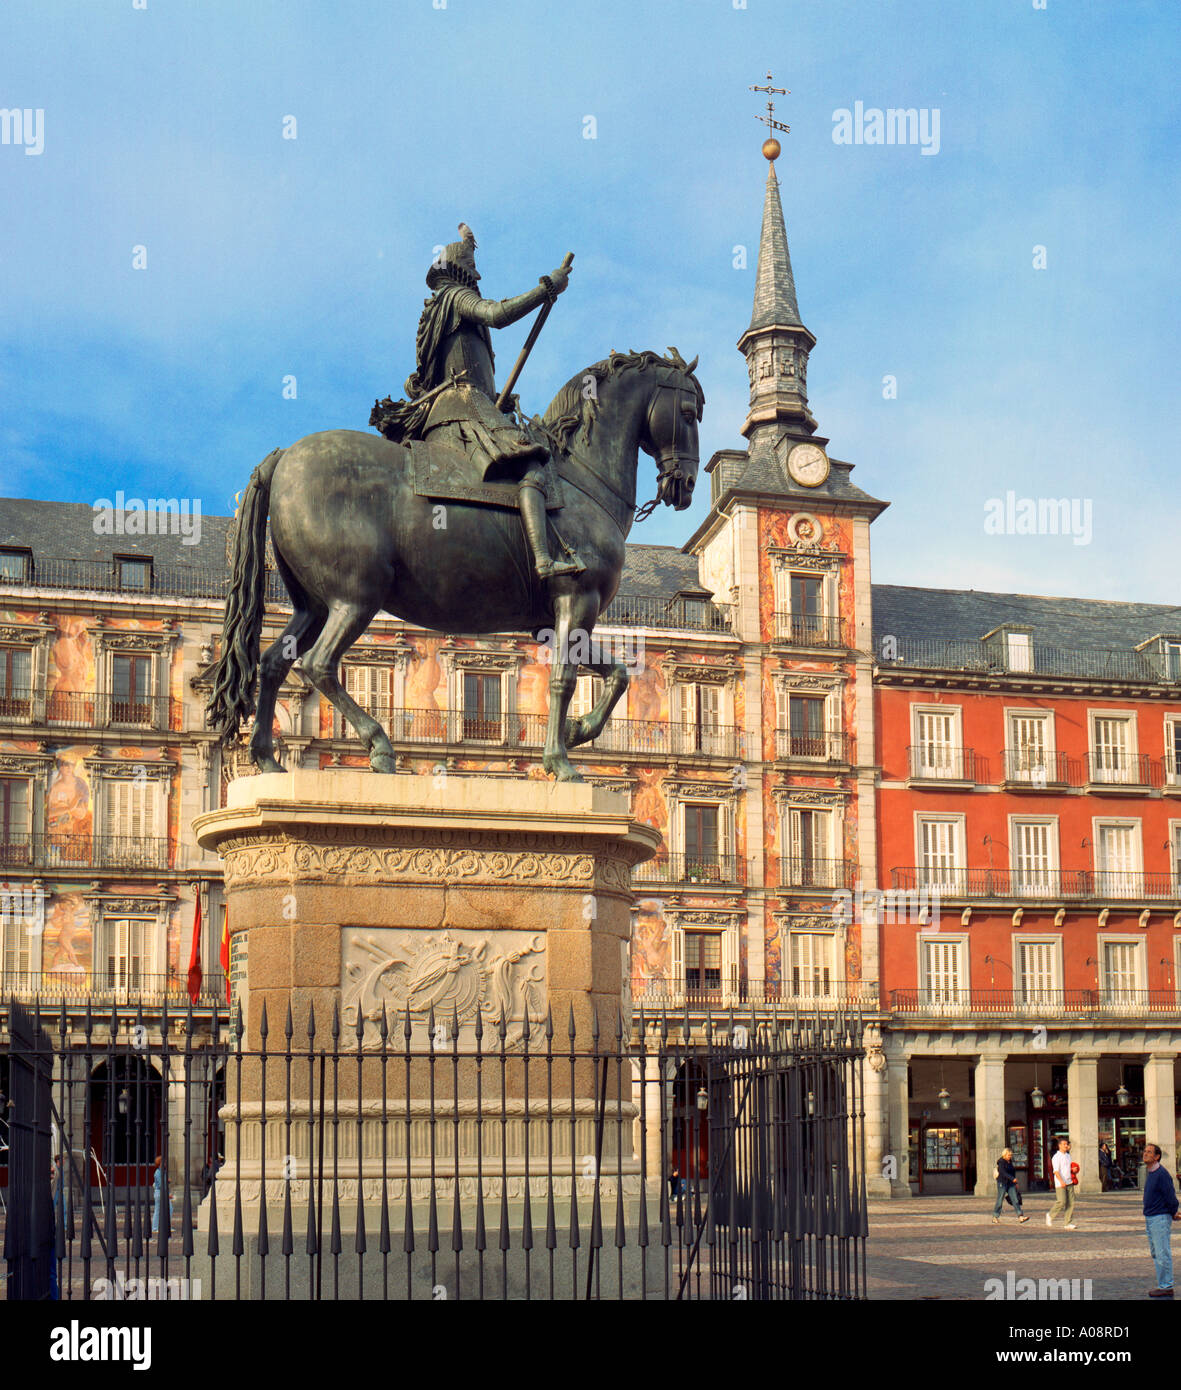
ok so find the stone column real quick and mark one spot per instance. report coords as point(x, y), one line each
point(990, 1119)
point(1082, 1118)
point(877, 1114)
point(898, 1093)
point(1160, 1112)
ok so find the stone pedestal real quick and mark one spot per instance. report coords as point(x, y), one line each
point(451, 903)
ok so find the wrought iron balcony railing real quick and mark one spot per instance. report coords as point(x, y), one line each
point(823, 747)
point(1115, 768)
point(805, 872)
point(119, 986)
point(1036, 769)
point(927, 762)
point(104, 576)
point(658, 611)
point(1094, 663)
point(688, 869)
point(798, 992)
point(644, 736)
point(803, 631)
point(54, 851)
point(91, 710)
point(1119, 885)
point(1048, 1003)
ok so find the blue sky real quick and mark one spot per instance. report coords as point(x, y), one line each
point(268, 257)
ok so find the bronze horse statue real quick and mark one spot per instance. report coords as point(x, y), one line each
point(351, 537)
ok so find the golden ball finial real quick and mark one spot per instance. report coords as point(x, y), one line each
point(771, 149)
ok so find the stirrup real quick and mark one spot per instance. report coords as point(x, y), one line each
point(552, 569)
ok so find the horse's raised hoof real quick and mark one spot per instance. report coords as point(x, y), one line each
point(560, 768)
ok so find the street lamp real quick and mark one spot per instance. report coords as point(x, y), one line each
point(1123, 1095)
point(124, 1097)
point(702, 1099)
point(1037, 1097)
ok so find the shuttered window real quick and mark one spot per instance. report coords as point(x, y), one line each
point(1037, 971)
point(1034, 857)
point(1112, 755)
point(942, 980)
point(128, 951)
point(937, 752)
point(939, 843)
point(811, 964)
point(1120, 973)
point(703, 961)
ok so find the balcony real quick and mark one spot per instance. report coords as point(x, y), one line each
point(678, 614)
point(1116, 773)
point(717, 870)
point(802, 994)
point(944, 765)
point(803, 631)
point(103, 576)
point(1052, 885)
point(1071, 1004)
point(1034, 770)
point(73, 989)
point(89, 710)
point(823, 747)
point(53, 851)
point(527, 731)
point(806, 874)
point(989, 659)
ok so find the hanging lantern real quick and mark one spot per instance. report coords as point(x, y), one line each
point(1123, 1095)
point(811, 1103)
point(702, 1099)
point(944, 1098)
point(1037, 1097)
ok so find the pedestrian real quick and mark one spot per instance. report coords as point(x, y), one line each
point(1160, 1211)
point(159, 1193)
point(1065, 1181)
point(1106, 1163)
point(1006, 1188)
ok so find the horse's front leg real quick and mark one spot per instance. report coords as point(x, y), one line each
point(615, 683)
point(563, 675)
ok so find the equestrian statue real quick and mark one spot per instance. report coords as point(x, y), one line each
point(461, 515)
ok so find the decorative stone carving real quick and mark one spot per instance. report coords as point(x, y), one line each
point(875, 1053)
point(23, 763)
point(808, 796)
point(704, 917)
point(21, 634)
point(677, 671)
point(727, 791)
point(414, 856)
point(450, 974)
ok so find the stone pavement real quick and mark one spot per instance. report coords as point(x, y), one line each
point(947, 1247)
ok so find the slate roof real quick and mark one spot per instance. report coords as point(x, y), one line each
point(968, 614)
point(775, 285)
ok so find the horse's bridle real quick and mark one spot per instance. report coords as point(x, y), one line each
point(668, 460)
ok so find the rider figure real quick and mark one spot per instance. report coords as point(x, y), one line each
point(453, 341)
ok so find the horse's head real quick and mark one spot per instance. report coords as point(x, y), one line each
point(669, 434)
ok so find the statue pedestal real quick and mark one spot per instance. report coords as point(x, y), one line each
point(451, 903)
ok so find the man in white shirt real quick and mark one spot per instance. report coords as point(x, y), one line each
point(1065, 1179)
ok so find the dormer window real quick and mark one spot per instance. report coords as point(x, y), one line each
point(1010, 648)
point(16, 564)
point(134, 572)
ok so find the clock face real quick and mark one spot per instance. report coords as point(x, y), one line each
point(808, 465)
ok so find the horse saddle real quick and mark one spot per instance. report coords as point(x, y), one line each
point(442, 471)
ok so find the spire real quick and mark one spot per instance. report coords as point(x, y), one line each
point(775, 286)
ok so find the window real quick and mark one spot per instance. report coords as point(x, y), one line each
point(15, 847)
point(371, 687)
point(1035, 857)
point(127, 953)
point(810, 849)
point(134, 572)
point(807, 608)
point(1111, 742)
point(1037, 971)
point(16, 683)
point(1121, 972)
point(811, 964)
point(1117, 858)
point(942, 978)
point(937, 752)
point(482, 707)
point(940, 861)
point(806, 726)
point(130, 823)
point(1172, 654)
point(1029, 753)
point(699, 715)
point(701, 842)
point(703, 962)
point(1019, 651)
point(1173, 750)
point(131, 680)
point(1175, 850)
point(16, 564)
point(19, 935)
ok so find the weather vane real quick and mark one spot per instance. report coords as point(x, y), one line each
point(771, 146)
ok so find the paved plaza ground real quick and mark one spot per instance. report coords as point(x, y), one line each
point(947, 1247)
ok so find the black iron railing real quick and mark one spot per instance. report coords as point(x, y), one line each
point(824, 747)
point(1004, 1003)
point(91, 710)
point(799, 991)
point(1095, 663)
point(804, 631)
point(102, 988)
point(688, 869)
point(659, 611)
point(420, 1157)
point(802, 871)
point(56, 851)
point(1036, 769)
point(1091, 884)
point(1115, 768)
point(927, 762)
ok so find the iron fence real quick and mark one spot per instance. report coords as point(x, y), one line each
point(37, 850)
point(1120, 885)
point(424, 1157)
point(970, 656)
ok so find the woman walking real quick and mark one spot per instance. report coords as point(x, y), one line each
point(1006, 1188)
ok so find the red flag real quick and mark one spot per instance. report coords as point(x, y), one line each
point(195, 976)
point(225, 948)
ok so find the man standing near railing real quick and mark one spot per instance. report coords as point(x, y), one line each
point(1160, 1211)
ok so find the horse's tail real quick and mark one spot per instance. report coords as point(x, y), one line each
point(234, 672)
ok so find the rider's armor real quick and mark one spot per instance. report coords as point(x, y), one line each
point(454, 342)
